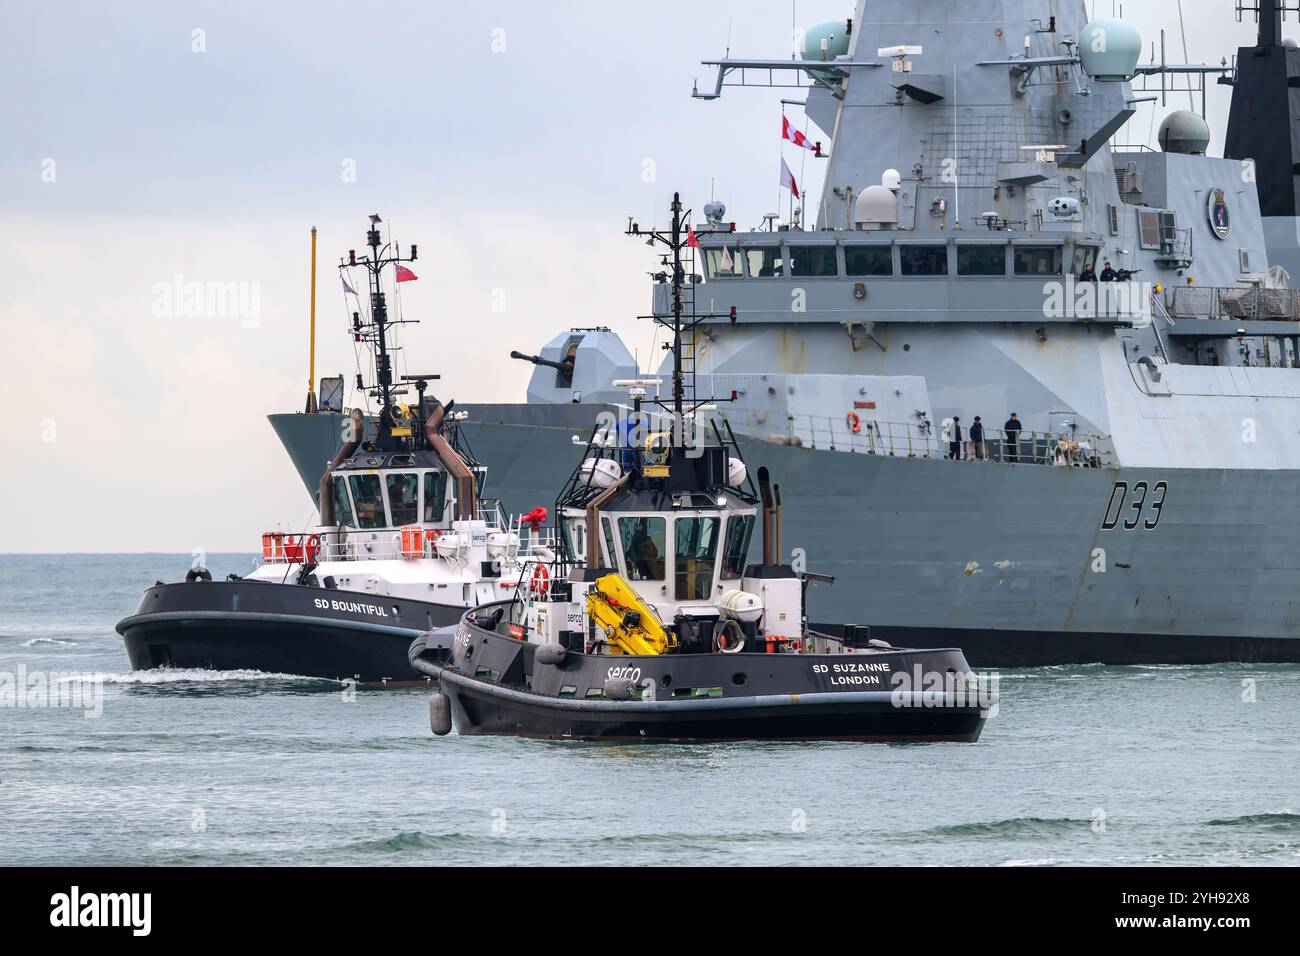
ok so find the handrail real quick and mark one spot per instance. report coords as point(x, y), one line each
point(917, 440)
point(1234, 302)
point(385, 544)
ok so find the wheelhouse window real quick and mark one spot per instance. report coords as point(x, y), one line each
point(814, 262)
point(721, 263)
point(1085, 259)
point(739, 529)
point(1038, 260)
point(342, 504)
point(923, 260)
point(644, 543)
point(868, 261)
point(765, 262)
point(403, 503)
point(435, 495)
point(611, 550)
point(981, 260)
point(369, 497)
point(697, 554)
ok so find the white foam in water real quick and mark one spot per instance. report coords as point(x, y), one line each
point(194, 675)
point(38, 641)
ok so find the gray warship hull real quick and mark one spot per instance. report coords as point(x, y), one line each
point(1017, 564)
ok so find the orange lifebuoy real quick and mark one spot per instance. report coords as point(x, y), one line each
point(855, 423)
point(540, 580)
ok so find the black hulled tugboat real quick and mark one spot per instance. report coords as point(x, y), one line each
point(652, 626)
point(405, 543)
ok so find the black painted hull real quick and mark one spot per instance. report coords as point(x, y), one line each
point(280, 629)
point(480, 708)
point(495, 685)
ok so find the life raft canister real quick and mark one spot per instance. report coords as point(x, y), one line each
point(855, 423)
point(540, 580)
point(412, 541)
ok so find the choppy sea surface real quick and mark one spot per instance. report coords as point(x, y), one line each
point(1081, 765)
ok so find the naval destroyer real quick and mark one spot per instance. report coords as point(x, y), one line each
point(986, 243)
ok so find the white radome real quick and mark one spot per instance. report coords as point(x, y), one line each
point(736, 472)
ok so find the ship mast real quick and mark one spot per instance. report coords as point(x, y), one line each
point(677, 238)
point(375, 263)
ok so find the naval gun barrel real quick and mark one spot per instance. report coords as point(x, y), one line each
point(565, 366)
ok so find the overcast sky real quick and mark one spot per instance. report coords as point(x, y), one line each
point(510, 139)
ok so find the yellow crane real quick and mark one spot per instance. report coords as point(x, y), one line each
point(629, 624)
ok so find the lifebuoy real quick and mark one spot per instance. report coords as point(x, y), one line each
point(312, 548)
point(540, 580)
point(855, 423)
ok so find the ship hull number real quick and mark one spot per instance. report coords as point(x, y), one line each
point(1138, 505)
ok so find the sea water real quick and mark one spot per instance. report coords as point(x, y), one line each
point(1081, 765)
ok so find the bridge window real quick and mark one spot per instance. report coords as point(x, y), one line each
point(611, 551)
point(765, 262)
point(739, 529)
point(981, 260)
point(923, 260)
point(721, 263)
point(644, 547)
point(342, 504)
point(868, 261)
point(1038, 260)
point(1086, 257)
point(814, 262)
point(435, 495)
point(403, 492)
point(369, 496)
point(697, 553)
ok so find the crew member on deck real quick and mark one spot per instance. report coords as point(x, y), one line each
point(954, 443)
point(1087, 275)
point(978, 451)
point(1012, 428)
point(1108, 274)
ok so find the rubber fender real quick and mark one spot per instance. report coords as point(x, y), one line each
point(621, 688)
point(551, 653)
point(439, 714)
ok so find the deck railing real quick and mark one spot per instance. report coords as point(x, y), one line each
point(917, 440)
point(1234, 302)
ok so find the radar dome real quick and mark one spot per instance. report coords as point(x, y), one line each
point(890, 179)
point(1184, 132)
point(876, 208)
point(836, 35)
point(1109, 49)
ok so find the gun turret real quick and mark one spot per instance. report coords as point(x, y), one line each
point(565, 366)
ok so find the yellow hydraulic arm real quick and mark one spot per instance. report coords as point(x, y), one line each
point(629, 624)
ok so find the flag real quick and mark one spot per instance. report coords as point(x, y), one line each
point(727, 265)
point(690, 238)
point(346, 287)
point(794, 136)
point(405, 275)
point(787, 179)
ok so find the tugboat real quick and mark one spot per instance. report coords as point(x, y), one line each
point(405, 543)
point(651, 626)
